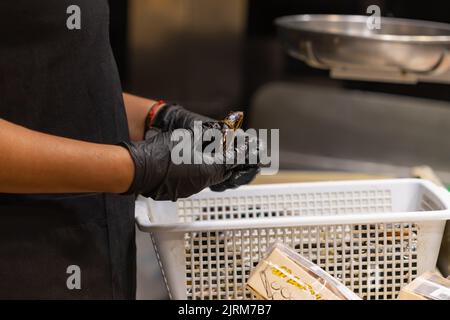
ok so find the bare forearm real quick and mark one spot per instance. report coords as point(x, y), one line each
point(137, 109)
point(33, 162)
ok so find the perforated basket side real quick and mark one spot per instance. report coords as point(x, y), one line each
point(374, 258)
point(374, 261)
point(284, 205)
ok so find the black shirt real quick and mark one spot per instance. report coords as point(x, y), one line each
point(63, 82)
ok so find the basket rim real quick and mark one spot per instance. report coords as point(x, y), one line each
point(145, 225)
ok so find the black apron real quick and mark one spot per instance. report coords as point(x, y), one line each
point(63, 82)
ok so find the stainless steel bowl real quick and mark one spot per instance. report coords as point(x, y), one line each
point(402, 50)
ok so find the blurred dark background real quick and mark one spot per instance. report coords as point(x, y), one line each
point(214, 55)
point(217, 56)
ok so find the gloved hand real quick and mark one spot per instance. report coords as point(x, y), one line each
point(173, 116)
point(158, 177)
point(242, 174)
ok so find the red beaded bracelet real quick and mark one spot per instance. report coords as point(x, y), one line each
point(153, 111)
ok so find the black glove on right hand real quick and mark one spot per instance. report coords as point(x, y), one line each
point(174, 116)
point(242, 174)
point(156, 175)
point(171, 116)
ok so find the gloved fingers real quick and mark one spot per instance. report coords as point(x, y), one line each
point(173, 116)
point(162, 177)
point(184, 183)
point(237, 178)
point(243, 147)
point(151, 132)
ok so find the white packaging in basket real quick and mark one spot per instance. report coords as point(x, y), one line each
point(285, 275)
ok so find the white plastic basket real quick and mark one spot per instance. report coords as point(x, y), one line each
point(375, 236)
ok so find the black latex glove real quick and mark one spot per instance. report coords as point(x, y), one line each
point(173, 116)
point(242, 174)
point(156, 176)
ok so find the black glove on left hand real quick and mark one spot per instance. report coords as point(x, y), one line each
point(158, 177)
